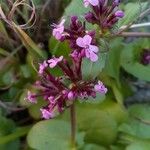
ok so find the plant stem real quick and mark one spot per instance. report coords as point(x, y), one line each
point(147, 24)
point(73, 124)
point(134, 34)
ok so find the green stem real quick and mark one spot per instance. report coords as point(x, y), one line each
point(73, 125)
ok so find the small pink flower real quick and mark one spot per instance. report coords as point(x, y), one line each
point(90, 50)
point(92, 2)
point(119, 14)
point(71, 95)
point(54, 61)
point(46, 114)
point(42, 67)
point(58, 30)
point(31, 97)
point(100, 88)
point(51, 99)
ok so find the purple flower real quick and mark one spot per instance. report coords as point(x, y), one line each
point(119, 14)
point(90, 2)
point(42, 67)
point(54, 61)
point(31, 97)
point(145, 57)
point(105, 14)
point(71, 95)
point(100, 88)
point(90, 50)
point(46, 114)
point(59, 30)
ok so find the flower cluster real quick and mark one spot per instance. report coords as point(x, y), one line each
point(61, 92)
point(82, 42)
point(103, 13)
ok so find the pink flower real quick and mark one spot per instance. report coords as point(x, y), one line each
point(42, 67)
point(71, 95)
point(46, 114)
point(31, 97)
point(92, 2)
point(54, 61)
point(100, 88)
point(90, 50)
point(51, 99)
point(58, 30)
point(119, 14)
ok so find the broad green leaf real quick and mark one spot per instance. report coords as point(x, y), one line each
point(93, 69)
point(76, 8)
point(93, 147)
point(132, 12)
point(58, 48)
point(139, 123)
point(130, 60)
point(51, 134)
point(139, 146)
point(99, 127)
point(113, 62)
point(34, 110)
point(117, 111)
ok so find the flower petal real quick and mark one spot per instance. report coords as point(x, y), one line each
point(86, 3)
point(93, 57)
point(87, 39)
point(93, 48)
point(87, 53)
point(62, 22)
point(80, 42)
point(94, 2)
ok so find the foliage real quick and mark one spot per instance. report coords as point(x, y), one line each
point(102, 124)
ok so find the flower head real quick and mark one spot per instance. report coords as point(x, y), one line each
point(90, 2)
point(90, 50)
point(58, 30)
point(104, 14)
point(46, 114)
point(119, 14)
point(100, 88)
point(56, 91)
point(31, 97)
point(54, 61)
point(42, 67)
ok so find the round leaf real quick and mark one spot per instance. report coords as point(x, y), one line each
point(51, 134)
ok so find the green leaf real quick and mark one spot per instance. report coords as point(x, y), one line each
point(139, 146)
point(51, 134)
point(130, 61)
point(92, 70)
point(93, 147)
point(59, 48)
point(132, 12)
point(99, 127)
point(117, 111)
point(113, 61)
point(34, 110)
point(139, 123)
point(72, 8)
